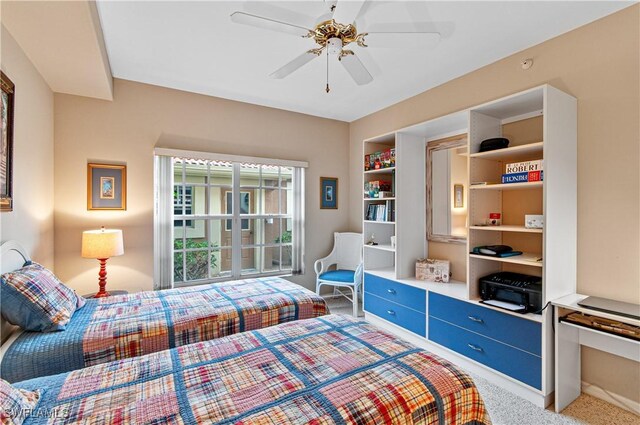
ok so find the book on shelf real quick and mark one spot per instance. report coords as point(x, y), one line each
point(523, 177)
point(524, 166)
point(380, 160)
point(381, 212)
point(372, 189)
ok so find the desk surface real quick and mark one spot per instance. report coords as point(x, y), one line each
point(571, 302)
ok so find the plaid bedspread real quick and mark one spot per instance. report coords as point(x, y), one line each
point(126, 326)
point(329, 370)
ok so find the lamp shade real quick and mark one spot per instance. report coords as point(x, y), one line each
point(104, 243)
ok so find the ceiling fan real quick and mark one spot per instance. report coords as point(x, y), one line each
point(336, 30)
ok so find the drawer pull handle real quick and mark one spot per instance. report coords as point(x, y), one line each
point(391, 291)
point(391, 312)
point(475, 348)
point(475, 319)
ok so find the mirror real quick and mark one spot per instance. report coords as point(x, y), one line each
point(447, 189)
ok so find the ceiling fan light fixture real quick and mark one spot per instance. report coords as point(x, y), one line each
point(334, 46)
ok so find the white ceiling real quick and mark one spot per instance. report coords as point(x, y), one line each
point(194, 46)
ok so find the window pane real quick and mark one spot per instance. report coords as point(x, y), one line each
point(221, 174)
point(221, 263)
point(286, 257)
point(247, 202)
point(286, 202)
point(178, 267)
point(270, 176)
point(219, 234)
point(250, 259)
point(285, 235)
point(195, 232)
point(249, 175)
point(270, 201)
point(271, 259)
point(217, 201)
point(262, 231)
point(197, 265)
point(286, 178)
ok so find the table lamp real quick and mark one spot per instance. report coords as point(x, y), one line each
point(102, 244)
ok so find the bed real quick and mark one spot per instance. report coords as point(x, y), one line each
point(126, 326)
point(329, 370)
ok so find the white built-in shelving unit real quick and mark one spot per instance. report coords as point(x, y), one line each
point(549, 252)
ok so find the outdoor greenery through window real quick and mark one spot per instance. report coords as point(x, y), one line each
point(231, 220)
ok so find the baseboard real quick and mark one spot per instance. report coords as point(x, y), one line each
point(613, 398)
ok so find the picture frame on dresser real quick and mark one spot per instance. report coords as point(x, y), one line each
point(106, 187)
point(6, 144)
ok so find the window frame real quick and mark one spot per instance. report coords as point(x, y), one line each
point(286, 219)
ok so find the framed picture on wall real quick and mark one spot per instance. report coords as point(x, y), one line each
point(328, 193)
point(6, 144)
point(458, 196)
point(106, 187)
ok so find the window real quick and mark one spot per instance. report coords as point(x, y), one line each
point(227, 219)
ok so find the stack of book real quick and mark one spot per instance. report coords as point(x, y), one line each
point(381, 212)
point(523, 172)
point(378, 160)
point(372, 189)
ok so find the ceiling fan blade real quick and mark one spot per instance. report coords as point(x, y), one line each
point(347, 11)
point(356, 69)
point(268, 23)
point(295, 64)
point(401, 39)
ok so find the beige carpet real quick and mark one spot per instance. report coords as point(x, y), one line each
point(593, 411)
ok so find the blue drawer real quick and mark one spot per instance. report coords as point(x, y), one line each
point(515, 363)
point(511, 330)
point(405, 295)
point(399, 315)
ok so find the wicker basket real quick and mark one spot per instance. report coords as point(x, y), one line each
point(433, 270)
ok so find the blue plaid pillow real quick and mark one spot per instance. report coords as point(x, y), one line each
point(35, 299)
point(16, 404)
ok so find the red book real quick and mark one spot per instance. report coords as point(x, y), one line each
point(534, 176)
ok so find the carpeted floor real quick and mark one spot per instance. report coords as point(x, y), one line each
point(506, 408)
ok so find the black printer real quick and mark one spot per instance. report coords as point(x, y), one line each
point(515, 289)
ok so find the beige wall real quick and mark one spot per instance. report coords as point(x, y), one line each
point(31, 221)
point(599, 65)
point(143, 116)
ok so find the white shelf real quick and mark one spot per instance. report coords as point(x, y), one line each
point(527, 259)
point(528, 316)
point(506, 228)
point(380, 222)
point(382, 247)
point(499, 154)
point(507, 186)
point(381, 170)
point(380, 199)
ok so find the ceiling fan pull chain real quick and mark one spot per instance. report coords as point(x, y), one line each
point(327, 89)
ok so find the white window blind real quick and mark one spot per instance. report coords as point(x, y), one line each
point(226, 218)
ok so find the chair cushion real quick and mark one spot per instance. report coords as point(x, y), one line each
point(346, 276)
point(35, 299)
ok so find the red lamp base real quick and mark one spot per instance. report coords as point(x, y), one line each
point(102, 279)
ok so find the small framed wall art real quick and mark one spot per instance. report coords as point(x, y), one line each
point(6, 145)
point(106, 187)
point(458, 196)
point(329, 193)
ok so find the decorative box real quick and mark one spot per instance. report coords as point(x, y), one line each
point(433, 270)
point(533, 221)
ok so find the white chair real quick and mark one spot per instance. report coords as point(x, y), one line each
point(347, 257)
